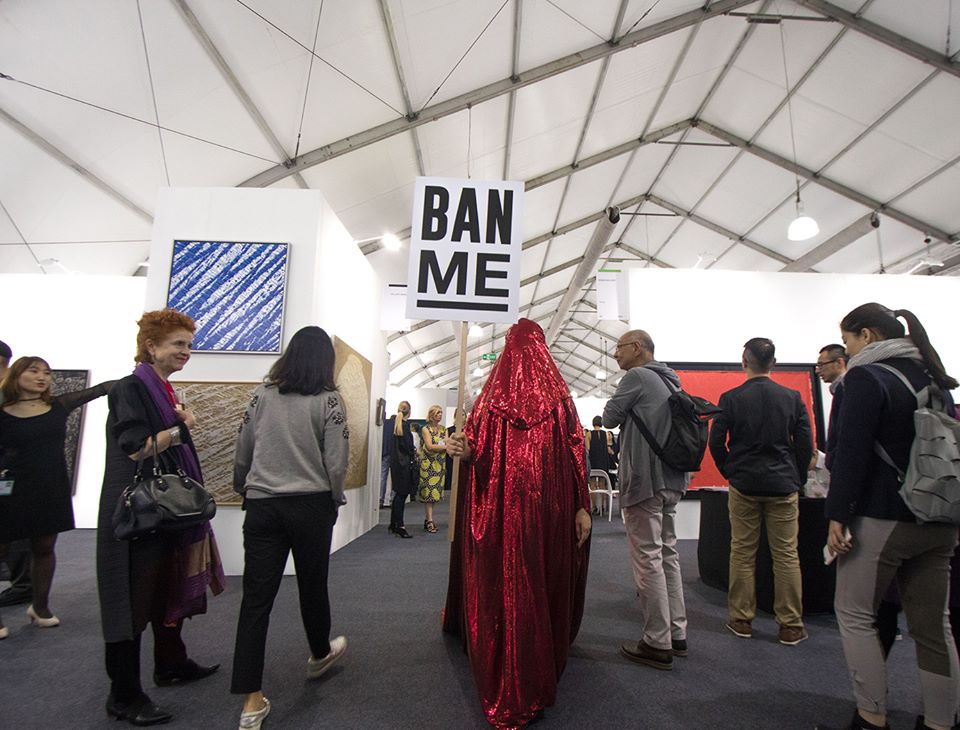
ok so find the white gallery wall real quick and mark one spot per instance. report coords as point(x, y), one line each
point(706, 316)
point(77, 323)
point(329, 284)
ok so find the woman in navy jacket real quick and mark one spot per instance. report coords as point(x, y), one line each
point(876, 536)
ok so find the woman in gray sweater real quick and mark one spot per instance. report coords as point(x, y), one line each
point(290, 465)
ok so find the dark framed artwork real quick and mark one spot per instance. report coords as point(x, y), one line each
point(219, 409)
point(234, 291)
point(67, 381)
point(711, 380)
point(353, 374)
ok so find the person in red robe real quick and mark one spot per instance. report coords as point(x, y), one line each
point(518, 564)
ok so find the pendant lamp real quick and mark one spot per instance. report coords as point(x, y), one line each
point(803, 227)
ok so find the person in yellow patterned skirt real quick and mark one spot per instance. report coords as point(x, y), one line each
point(433, 464)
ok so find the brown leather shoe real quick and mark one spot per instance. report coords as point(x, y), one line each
point(792, 635)
point(645, 654)
point(740, 627)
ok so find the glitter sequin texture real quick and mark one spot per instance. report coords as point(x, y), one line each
point(517, 578)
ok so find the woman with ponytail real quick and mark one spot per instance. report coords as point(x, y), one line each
point(876, 536)
point(403, 467)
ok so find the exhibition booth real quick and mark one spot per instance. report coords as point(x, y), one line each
point(87, 323)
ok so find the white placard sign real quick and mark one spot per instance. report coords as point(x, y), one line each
point(612, 295)
point(465, 245)
point(393, 302)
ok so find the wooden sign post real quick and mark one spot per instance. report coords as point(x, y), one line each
point(465, 248)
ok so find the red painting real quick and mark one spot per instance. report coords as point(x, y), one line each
point(712, 383)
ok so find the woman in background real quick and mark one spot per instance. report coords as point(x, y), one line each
point(877, 537)
point(433, 465)
point(403, 469)
point(35, 499)
point(290, 465)
point(159, 579)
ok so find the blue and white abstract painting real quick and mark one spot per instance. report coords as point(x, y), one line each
point(234, 292)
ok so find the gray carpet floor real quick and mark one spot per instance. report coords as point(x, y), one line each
point(400, 671)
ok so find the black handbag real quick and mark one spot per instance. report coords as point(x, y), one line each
point(161, 502)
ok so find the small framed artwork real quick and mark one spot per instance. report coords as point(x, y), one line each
point(234, 291)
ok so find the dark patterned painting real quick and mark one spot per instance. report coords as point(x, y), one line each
point(234, 292)
point(218, 408)
point(67, 381)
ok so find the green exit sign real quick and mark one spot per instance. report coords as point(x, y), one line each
point(490, 356)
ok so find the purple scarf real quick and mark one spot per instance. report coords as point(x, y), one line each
point(183, 454)
point(197, 559)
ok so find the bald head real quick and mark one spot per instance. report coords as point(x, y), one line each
point(634, 349)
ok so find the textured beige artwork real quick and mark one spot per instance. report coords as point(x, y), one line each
point(218, 407)
point(353, 374)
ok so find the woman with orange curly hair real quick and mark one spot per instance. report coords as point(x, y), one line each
point(159, 579)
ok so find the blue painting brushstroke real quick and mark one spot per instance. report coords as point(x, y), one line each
point(233, 291)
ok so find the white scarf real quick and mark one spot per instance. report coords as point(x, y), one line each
point(882, 350)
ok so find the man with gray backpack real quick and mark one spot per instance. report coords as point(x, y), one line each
point(649, 492)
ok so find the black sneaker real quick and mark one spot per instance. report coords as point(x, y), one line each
point(644, 654)
point(679, 647)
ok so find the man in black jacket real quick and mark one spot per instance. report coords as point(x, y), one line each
point(762, 445)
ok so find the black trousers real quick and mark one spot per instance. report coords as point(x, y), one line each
point(123, 660)
point(272, 528)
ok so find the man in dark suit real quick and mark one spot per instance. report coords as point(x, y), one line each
point(762, 444)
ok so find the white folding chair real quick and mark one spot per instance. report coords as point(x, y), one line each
point(600, 485)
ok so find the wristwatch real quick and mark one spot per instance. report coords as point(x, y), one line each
point(176, 436)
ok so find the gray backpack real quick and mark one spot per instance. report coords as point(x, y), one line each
point(930, 486)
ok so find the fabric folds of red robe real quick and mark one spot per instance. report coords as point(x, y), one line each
point(517, 578)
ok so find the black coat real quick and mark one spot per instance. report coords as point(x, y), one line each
point(872, 405)
point(404, 468)
point(132, 419)
point(762, 442)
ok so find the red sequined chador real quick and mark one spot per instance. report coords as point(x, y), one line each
point(517, 578)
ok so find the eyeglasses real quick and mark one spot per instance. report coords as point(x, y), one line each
point(623, 344)
point(821, 365)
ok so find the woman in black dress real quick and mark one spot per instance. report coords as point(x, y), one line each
point(404, 469)
point(160, 579)
point(35, 499)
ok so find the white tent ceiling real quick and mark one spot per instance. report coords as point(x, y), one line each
point(680, 111)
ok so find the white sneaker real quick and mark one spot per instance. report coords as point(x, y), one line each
point(253, 720)
point(317, 667)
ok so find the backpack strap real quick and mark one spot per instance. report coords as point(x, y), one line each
point(877, 447)
point(647, 433)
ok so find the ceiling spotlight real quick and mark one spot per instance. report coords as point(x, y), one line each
point(573, 394)
point(475, 331)
point(601, 375)
point(803, 226)
point(390, 242)
point(478, 372)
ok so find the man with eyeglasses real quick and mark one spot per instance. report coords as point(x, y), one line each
point(831, 367)
point(649, 493)
point(831, 364)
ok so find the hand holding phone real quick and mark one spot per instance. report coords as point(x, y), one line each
point(828, 553)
